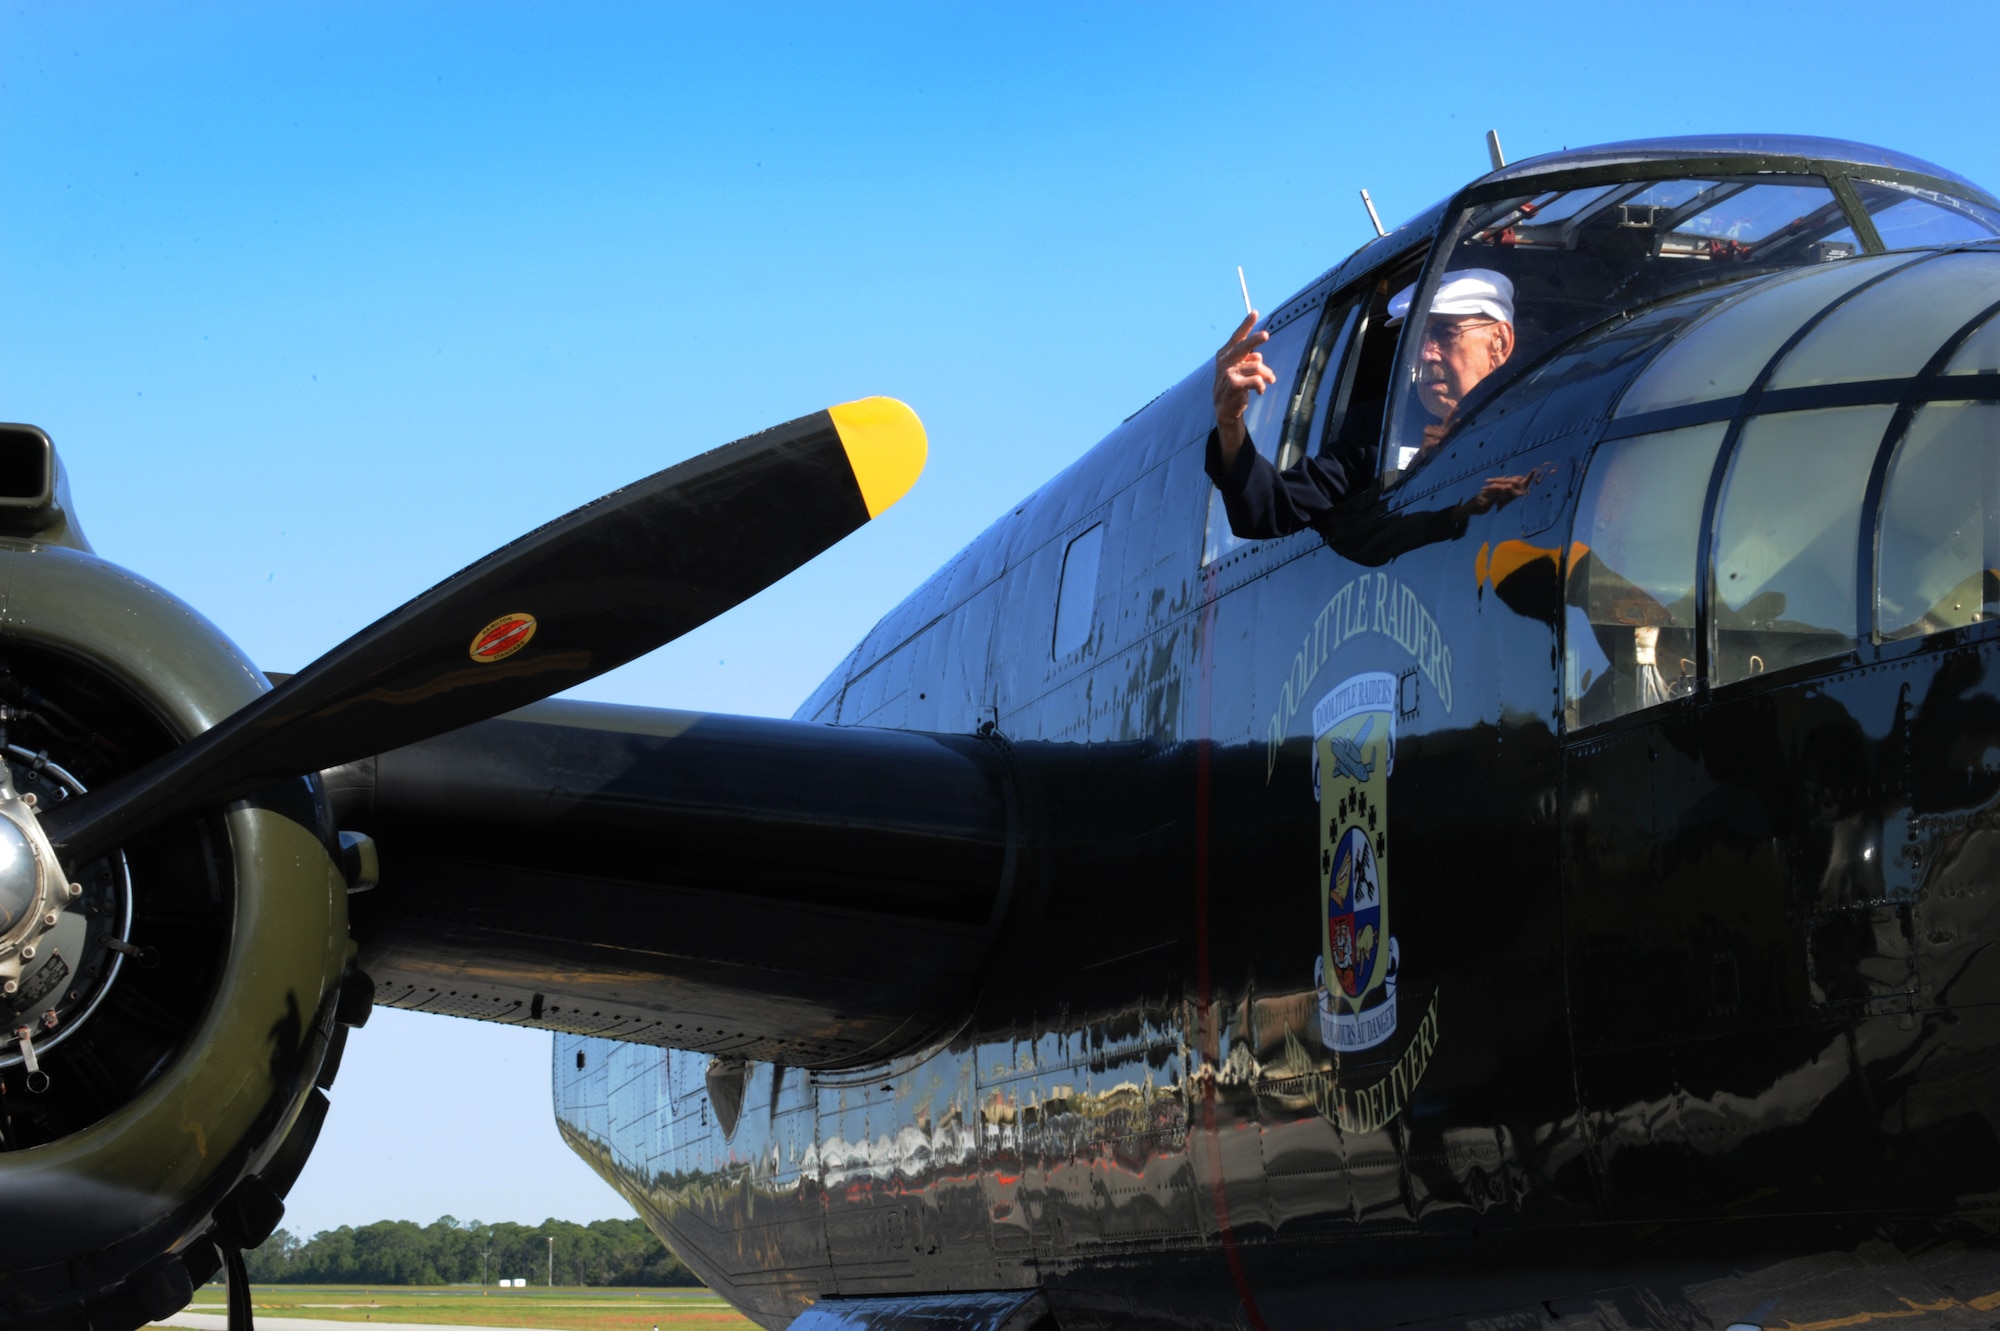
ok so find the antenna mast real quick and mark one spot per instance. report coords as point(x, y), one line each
point(1369, 204)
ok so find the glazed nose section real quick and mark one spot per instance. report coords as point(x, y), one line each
point(1823, 332)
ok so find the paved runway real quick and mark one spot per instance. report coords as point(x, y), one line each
point(191, 1320)
point(218, 1322)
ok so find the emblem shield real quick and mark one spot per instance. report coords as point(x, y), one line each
point(1354, 743)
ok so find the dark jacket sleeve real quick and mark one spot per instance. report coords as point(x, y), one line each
point(1263, 502)
point(1374, 541)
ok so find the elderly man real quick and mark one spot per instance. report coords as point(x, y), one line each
point(1468, 335)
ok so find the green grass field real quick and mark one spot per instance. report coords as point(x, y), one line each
point(559, 1309)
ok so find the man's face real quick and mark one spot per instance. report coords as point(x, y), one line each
point(1457, 352)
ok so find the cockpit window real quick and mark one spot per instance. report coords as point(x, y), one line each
point(1523, 275)
point(1559, 206)
point(1727, 219)
point(1907, 217)
point(1333, 395)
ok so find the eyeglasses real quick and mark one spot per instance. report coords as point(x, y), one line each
point(1443, 335)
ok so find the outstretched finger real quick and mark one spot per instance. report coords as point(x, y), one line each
point(1240, 352)
point(1242, 341)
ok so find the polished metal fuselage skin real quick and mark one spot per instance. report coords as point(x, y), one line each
point(1695, 1012)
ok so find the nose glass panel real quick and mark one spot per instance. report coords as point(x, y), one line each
point(1940, 540)
point(1722, 355)
point(1978, 354)
point(1630, 638)
point(1892, 330)
point(1789, 532)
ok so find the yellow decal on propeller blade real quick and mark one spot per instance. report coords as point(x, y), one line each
point(885, 446)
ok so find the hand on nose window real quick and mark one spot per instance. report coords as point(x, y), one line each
point(1498, 492)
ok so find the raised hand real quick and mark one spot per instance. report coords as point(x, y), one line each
point(1239, 371)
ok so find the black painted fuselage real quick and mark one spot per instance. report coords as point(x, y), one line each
point(1355, 963)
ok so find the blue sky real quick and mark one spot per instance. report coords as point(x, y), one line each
point(322, 302)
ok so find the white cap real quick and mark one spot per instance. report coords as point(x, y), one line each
point(1466, 291)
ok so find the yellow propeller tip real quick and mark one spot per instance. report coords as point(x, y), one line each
point(886, 448)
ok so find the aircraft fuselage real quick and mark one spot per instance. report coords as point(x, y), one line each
point(1357, 976)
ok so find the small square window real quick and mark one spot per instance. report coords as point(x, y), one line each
point(1077, 600)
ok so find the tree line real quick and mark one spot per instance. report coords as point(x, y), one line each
point(448, 1252)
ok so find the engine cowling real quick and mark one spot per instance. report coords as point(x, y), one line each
point(162, 1134)
point(179, 1102)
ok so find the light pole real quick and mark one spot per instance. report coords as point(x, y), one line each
point(484, 1253)
point(552, 1261)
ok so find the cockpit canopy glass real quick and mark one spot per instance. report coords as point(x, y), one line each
point(1524, 274)
point(1907, 217)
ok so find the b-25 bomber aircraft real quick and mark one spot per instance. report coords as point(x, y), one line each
point(1579, 911)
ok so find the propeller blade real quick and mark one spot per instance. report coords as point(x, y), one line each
point(568, 601)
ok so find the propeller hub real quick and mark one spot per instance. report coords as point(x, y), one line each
point(61, 943)
point(24, 870)
point(20, 876)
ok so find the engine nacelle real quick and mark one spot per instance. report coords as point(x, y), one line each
point(179, 1102)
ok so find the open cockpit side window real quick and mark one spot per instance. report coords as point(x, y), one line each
point(1334, 373)
point(1291, 337)
point(1352, 430)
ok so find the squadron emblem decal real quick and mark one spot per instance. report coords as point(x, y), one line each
point(1355, 971)
point(502, 638)
point(1354, 746)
